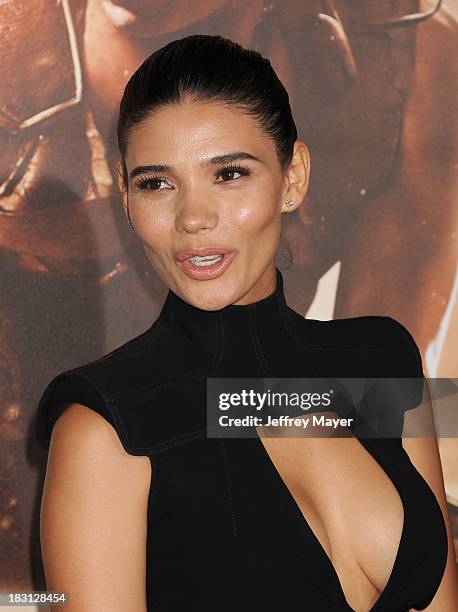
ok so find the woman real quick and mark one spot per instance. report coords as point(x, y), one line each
point(141, 509)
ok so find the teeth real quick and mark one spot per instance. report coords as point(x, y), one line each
point(205, 260)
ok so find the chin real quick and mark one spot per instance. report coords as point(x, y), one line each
point(206, 296)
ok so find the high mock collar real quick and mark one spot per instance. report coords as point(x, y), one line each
point(228, 332)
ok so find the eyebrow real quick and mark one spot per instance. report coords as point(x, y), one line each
point(217, 159)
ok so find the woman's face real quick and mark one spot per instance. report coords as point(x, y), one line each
point(196, 202)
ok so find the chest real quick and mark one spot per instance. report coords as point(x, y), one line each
point(348, 503)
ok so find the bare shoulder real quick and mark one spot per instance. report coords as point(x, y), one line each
point(83, 439)
point(93, 520)
point(83, 425)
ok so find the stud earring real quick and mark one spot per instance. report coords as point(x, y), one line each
point(289, 202)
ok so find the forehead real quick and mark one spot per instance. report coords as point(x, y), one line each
point(192, 129)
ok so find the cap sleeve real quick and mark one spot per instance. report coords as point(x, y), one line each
point(66, 388)
point(399, 384)
point(409, 384)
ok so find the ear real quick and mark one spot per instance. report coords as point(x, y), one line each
point(122, 187)
point(297, 178)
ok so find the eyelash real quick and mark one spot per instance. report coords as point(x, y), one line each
point(144, 181)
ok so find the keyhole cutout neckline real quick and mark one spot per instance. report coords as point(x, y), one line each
point(327, 560)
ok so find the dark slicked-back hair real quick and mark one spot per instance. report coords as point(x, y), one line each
point(209, 68)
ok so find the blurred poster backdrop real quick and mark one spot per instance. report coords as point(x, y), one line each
point(373, 87)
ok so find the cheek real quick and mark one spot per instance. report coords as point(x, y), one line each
point(152, 225)
point(253, 214)
point(249, 213)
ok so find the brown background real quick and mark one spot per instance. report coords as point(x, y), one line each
point(374, 96)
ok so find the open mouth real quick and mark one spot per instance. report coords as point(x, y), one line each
point(206, 266)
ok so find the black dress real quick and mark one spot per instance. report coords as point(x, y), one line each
point(224, 531)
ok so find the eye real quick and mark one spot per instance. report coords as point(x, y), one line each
point(152, 182)
point(149, 182)
point(229, 171)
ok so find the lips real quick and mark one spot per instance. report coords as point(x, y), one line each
point(211, 269)
point(183, 255)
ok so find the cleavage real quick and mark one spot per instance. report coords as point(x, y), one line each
point(349, 503)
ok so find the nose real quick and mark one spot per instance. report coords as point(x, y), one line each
point(196, 213)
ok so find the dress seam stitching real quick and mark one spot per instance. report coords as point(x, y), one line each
point(229, 488)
